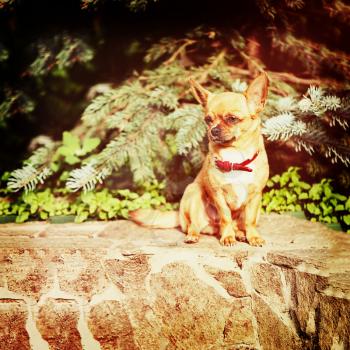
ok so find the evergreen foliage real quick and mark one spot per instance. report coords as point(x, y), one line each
point(53, 58)
point(135, 119)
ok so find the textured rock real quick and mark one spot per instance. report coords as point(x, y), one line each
point(57, 322)
point(239, 327)
point(80, 274)
point(333, 323)
point(192, 315)
point(129, 273)
point(116, 285)
point(273, 331)
point(13, 334)
point(303, 299)
point(266, 280)
point(31, 277)
point(111, 326)
point(230, 280)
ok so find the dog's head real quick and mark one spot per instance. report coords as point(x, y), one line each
point(231, 115)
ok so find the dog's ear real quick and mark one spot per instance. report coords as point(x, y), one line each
point(199, 93)
point(256, 93)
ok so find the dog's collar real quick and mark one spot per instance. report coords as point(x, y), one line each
point(227, 166)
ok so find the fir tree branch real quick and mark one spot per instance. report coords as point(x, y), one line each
point(179, 51)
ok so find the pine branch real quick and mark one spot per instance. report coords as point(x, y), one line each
point(86, 178)
point(179, 51)
point(36, 170)
point(189, 124)
point(337, 9)
point(282, 127)
point(312, 55)
point(317, 138)
point(27, 177)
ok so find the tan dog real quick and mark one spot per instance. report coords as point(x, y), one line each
point(226, 194)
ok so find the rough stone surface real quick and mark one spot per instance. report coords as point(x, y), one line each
point(57, 322)
point(110, 325)
point(230, 280)
point(275, 332)
point(192, 315)
point(115, 285)
point(13, 315)
point(266, 280)
point(303, 299)
point(81, 274)
point(128, 274)
point(31, 276)
point(239, 327)
point(333, 323)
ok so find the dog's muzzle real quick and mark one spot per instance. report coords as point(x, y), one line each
point(215, 132)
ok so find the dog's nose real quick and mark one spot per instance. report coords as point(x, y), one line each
point(215, 131)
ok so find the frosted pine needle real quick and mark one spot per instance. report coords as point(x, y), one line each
point(27, 177)
point(282, 127)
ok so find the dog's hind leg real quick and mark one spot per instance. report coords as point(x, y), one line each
point(193, 216)
point(193, 234)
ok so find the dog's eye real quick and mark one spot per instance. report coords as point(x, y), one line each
point(232, 119)
point(208, 119)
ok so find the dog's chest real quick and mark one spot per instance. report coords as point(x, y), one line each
point(237, 178)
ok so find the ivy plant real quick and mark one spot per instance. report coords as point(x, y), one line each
point(72, 148)
point(288, 193)
point(101, 205)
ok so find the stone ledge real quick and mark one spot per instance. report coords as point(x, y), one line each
point(116, 285)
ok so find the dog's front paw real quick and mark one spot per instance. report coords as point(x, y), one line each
point(240, 236)
point(256, 241)
point(228, 241)
point(190, 238)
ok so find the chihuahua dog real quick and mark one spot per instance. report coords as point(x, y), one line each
point(225, 197)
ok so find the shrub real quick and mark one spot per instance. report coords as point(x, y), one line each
point(319, 202)
point(100, 205)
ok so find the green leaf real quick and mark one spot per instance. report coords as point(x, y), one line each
point(90, 144)
point(340, 197)
point(327, 219)
point(22, 217)
point(5, 176)
point(339, 207)
point(102, 215)
point(124, 213)
point(269, 183)
point(71, 141)
point(43, 215)
point(275, 178)
point(92, 208)
point(81, 217)
point(54, 166)
point(347, 204)
point(33, 207)
point(311, 207)
point(333, 201)
point(64, 151)
point(346, 219)
point(327, 191)
point(71, 159)
point(303, 195)
point(304, 185)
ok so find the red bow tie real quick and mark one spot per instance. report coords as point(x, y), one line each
point(227, 166)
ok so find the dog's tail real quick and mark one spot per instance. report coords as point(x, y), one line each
point(155, 218)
